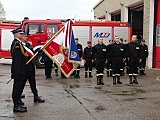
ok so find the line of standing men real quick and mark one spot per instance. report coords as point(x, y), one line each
point(116, 54)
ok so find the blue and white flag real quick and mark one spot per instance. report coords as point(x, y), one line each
point(73, 54)
point(69, 43)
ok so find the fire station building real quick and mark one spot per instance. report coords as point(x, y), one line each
point(142, 15)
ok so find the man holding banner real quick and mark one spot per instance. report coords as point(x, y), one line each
point(31, 71)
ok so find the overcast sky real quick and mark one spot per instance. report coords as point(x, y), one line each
point(48, 9)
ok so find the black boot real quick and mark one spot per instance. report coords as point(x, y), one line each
point(98, 80)
point(90, 74)
point(22, 95)
point(122, 72)
point(143, 72)
point(101, 80)
point(107, 73)
point(86, 75)
point(77, 76)
point(135, 80)
point(38, 99)
point(127, 69)
point(118, 80)
point(18, 108)
point(130, 80)
point(111, 72)
point(114, 80)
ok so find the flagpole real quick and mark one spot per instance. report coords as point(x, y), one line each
point(9, 80)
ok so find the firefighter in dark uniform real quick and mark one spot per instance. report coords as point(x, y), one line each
point(56, 69)
point(18, 70)
point(133, 55)
point(31, 73)
point(123, 62)
point(117, 57)
point(99, 54)
point(80, 51)
point(144, 56)
point(48, 66)
point(108, 63)
point(88, 59)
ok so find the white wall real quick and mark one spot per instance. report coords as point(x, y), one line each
point(151, 27)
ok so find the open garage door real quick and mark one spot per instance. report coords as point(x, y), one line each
point(135, 17)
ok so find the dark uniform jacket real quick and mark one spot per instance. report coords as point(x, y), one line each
point(19, 58)
point(99, 51)
point(133, 50)
point(116, 50)
point(144, 51)
point(80, 50)
point(88, 54)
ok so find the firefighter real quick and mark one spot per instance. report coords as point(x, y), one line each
point(48, 66)
point(99, 54)
point(117, 57)
point(18, 70)
point(80, 51)
point(108, 62)
point(144, 56)
point(31, 73)
point(123, 62)
point(133, 55)
point(56, 69)
point(88, 59)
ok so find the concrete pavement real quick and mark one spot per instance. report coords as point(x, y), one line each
point(82, 99)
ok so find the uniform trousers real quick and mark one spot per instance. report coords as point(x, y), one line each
point(18, 86)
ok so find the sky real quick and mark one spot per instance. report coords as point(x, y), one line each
point(49, 9)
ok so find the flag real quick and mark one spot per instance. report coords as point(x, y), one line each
point(69, 43)
point(73, 51)
point(28, 51)
point(59, 54)
point(67, 33)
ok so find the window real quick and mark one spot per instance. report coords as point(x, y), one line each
point(158, 35)
point(31, 29)
point(52, 29)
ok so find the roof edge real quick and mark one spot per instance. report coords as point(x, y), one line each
point(100, 1)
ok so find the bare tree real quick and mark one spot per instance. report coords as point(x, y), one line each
point(2, 11)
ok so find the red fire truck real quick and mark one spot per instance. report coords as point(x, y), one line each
point(6, 37)
point(38, 31)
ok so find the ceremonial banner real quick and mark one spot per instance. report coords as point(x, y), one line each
point(59, 54)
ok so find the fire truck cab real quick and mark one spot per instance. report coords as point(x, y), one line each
point(39, 31)
point(6, 37)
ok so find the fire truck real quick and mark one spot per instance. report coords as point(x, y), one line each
point(38, 31)
point(6, 37)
